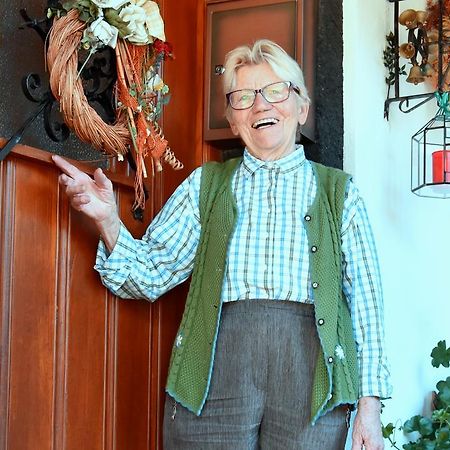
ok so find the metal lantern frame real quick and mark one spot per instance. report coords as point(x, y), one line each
point(430, 158)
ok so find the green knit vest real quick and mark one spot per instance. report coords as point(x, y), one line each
point(336, 374)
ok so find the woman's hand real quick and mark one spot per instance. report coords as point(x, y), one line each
point(94, 197)
point(367, 425)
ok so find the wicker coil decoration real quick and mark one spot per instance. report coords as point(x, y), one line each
point(132, 129)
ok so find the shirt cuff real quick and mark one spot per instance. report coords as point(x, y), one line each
point(376, 383)
point(116, 265)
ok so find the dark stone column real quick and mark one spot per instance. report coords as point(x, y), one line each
point(328, 148)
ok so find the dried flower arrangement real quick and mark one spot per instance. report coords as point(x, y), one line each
point(422, 48)
point(135, 29)
point(432, 26)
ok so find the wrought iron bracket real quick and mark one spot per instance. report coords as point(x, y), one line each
point(98, 76)
point(57, 130)
point(41, 26)
point(17, 136)
point(33, 91)
point(403, 102)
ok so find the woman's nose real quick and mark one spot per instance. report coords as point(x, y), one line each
point(261, 103)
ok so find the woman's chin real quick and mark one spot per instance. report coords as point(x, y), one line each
point(270, 152)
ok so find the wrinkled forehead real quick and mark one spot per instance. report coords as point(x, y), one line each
point(254, 76)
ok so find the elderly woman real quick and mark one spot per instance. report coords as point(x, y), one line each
point(282, 333)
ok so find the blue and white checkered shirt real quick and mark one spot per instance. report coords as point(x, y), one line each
point(268, 255)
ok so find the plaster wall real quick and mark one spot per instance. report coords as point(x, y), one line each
point(412, 233)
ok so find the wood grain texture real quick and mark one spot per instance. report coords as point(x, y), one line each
point(74, 362)
point(6, 208)
point(79, 367)
point(32, 310)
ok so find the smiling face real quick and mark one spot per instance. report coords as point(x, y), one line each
point(267, 129)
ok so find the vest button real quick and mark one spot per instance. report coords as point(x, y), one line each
point(315, 285)
point(307, 218)
point(330, 359)
point(313, 249)
point(321, 321)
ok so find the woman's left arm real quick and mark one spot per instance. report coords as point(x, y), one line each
point(363, 290)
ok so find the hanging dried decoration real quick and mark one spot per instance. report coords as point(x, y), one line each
point(432, 25)
point(136, 31)
point(433, 9)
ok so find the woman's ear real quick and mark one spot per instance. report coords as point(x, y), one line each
point(303, 113)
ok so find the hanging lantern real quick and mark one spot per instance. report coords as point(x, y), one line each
point(430, 154)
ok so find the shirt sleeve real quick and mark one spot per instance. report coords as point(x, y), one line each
point(164, 257)
point(363, 291)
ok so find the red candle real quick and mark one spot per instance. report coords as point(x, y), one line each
point(441, 166)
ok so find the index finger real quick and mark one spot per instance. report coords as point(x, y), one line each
point(65, 166)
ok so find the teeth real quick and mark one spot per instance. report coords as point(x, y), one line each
point(265, 122)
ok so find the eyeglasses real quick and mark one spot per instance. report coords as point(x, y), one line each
point(272, 93)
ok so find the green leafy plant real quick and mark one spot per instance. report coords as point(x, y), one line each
point(390, 55)
point(432, 433)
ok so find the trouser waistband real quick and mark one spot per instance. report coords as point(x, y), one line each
point(259, 305)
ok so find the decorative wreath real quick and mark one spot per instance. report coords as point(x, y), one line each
point(135, 29)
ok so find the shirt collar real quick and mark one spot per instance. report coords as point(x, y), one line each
point(284, 165)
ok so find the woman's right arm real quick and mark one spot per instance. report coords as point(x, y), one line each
point(138, 268)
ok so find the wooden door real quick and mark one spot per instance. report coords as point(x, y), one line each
point(80, 368)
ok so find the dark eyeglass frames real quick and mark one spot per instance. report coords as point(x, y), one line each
point(272, 93)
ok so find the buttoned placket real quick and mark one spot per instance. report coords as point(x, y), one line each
point(270, 221)
point(271, 171)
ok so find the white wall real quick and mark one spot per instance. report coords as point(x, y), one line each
point(413, 233)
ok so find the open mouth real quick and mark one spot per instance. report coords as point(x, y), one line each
point(265, 123)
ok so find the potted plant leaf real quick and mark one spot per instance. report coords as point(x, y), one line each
point(429, 433)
